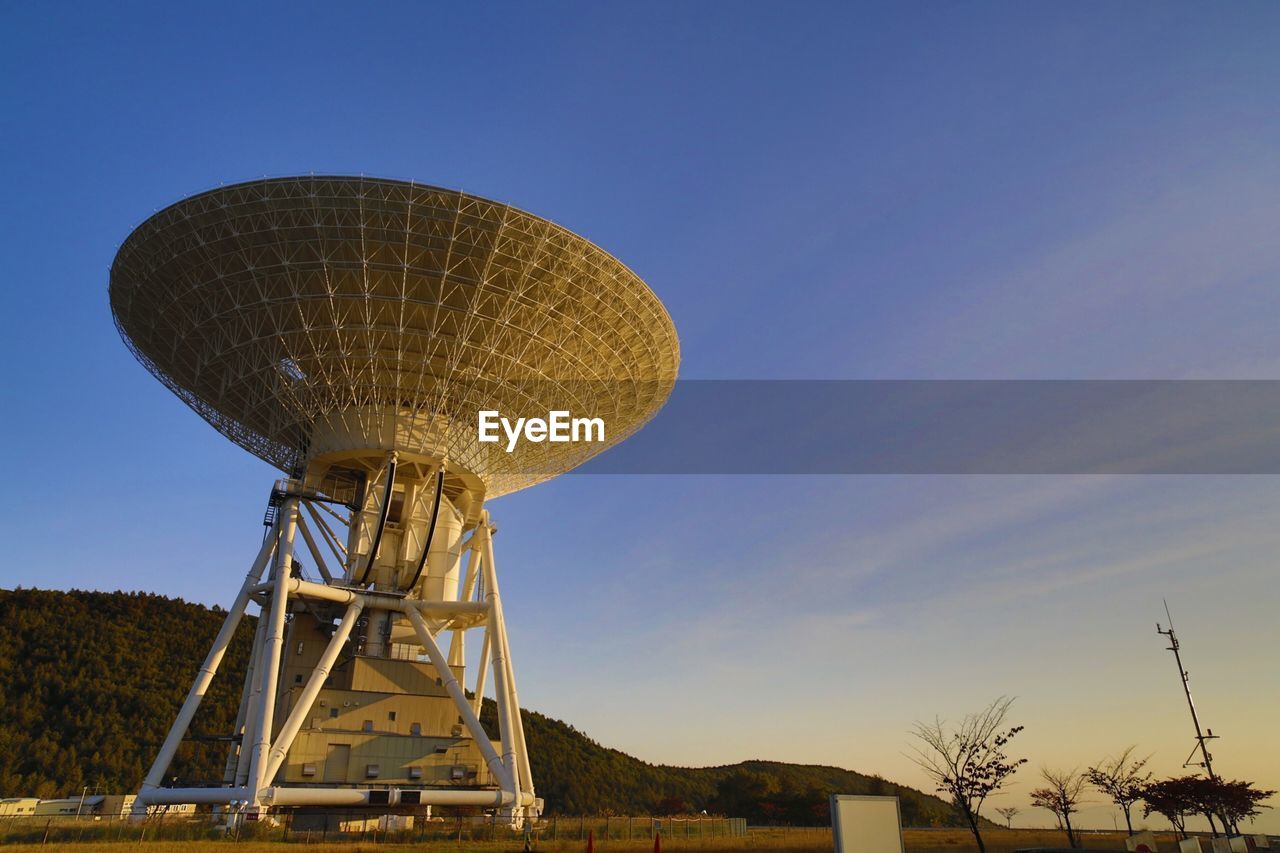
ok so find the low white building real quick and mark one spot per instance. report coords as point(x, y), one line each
point(67, 806)
point(95, 805)
point(18, 806)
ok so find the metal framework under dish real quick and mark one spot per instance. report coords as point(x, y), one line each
point(262, 741)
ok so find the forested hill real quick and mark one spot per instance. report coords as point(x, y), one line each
point(89, 682)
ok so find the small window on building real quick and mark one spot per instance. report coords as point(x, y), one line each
point(415, 772)
point(368, 725)
point(308, 770)
point(391, 715)
point(333, 713)
point(415, 729)
point(297, 679)
point(457, 773)
point(441, 749)
point(371, 771)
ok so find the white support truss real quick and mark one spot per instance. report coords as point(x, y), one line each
point(260, 747)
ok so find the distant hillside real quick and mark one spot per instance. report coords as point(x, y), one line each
point(89, 682)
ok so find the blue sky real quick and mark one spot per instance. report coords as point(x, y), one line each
point(914, 190)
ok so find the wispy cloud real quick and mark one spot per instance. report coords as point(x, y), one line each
point(1128, 291)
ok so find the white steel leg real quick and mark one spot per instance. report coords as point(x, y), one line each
point(503, 671)
point(274, 643)
point(207, 669)
point(243, 714)
point(483, 670)
point(457, 645)
point(254, 680)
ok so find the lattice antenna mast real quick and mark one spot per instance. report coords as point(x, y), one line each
point(1202, 735)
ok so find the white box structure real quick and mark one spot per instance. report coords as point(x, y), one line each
point(864, 824)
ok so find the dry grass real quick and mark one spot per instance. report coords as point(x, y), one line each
point(799, 840)
point(1008, 840)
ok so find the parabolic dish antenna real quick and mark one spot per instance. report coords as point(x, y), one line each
point(312, 314)
point(350, 331)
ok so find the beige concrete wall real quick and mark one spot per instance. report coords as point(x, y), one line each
point(391, 713)
point(394, 755)
point(384, 713)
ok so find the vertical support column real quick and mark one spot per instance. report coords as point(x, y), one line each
point(457, 645)
point(503, 698)
point(243, 725)
point(486, 649)
point(482, 670)
point(503, 673)
point(253, 680)
point(273, 644)
point(205, 676)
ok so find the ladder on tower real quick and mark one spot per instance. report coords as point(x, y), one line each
point(273, 508)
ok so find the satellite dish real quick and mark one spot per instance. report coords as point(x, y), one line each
point(350, 331)
point(316, 314)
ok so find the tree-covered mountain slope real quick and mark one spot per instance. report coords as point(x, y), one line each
point(89, 682)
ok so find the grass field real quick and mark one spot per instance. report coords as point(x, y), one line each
point(782, 839)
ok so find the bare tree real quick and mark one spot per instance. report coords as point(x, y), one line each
point(1008, 813)
point(1122, 779)
point(1061, 795)
point(968, 763)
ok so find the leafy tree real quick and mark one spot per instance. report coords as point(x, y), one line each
point(1172, 799)
point(1122, 779)
point(1237, 801)
point(1230, 801)
point(969, 763)
point(744, 792)
point(1008, 813)
point(671, 806)
point(1061, 795)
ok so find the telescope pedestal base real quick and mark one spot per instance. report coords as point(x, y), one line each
point(258, 776)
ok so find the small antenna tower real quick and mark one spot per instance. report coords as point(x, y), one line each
point(1201, 735)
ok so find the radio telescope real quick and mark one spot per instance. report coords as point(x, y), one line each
point(349, 331)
